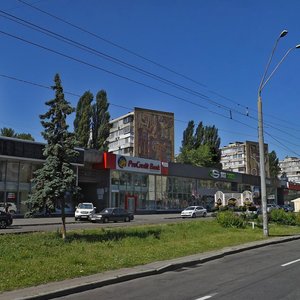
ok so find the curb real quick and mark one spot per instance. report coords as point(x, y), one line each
point(81, 284)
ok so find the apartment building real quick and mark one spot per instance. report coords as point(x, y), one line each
point(243, 157)
point(290, 167)
point(143, 133)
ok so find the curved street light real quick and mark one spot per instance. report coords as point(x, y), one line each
point(263, 83)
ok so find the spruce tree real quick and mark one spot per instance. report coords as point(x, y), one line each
point(100, 122)
point(82, 122)
point(56, 177)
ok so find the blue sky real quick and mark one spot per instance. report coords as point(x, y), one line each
point(209, 57)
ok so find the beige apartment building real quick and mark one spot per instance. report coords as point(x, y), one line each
point(243, 157)
point(290, 167)
point(143, 133)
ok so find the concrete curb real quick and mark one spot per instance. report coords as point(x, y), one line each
point(81, 284)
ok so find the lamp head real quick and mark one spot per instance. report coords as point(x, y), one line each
point(283, 33)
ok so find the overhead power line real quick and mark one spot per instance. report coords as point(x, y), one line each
point(131, 52)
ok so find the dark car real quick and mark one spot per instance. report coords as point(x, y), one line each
point(5, 219)
point(112, 214)
point(287, 208)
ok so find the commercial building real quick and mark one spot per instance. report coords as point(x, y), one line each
point(143, 133)
point(19, 160)
point(106, 179)
point(243, 157)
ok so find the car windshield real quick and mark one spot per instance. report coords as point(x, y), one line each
point(190, 208)
point(107, 211)
point(85, 206)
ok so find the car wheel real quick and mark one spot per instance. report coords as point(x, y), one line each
point(105, 220)
point(193, 215)
point(127, 219)
point(3, 224)
point(204, 214)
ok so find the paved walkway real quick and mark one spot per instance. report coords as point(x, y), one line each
point(70, 286)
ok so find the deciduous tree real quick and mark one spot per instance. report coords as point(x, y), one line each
point(100, 122)
point(82, 122)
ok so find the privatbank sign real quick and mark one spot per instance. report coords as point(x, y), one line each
point(216, 174)
point(137, 164)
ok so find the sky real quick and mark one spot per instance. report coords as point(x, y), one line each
point(201, 60)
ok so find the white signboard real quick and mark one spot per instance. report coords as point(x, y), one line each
point(137, 164)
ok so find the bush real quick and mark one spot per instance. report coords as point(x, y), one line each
point(297, 218)
point(230, 219)
point(279, 216)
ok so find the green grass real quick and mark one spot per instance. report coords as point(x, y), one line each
point(37, 258)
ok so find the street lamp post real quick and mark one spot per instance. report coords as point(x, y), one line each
point(263, 82)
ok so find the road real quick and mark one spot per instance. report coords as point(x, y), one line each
point(52, 224)
point(270, 272)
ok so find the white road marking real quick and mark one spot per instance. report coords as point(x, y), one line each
point(291, 262)
point(206, 297)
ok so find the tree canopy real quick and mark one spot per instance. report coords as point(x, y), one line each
point(274, 165)
point(91, 124)
point(100, 122)
point(82, 122)
point(9, 132)
point(200, 147)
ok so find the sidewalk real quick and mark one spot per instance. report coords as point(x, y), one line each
point(40, 221)
point(71, 286)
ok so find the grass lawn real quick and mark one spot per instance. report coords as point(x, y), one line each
point(36, 258)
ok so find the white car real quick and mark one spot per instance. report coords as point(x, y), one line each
point(194, 211)
point(84, 210)
point(11, 207)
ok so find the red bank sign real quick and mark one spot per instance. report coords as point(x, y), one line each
point(141, 165)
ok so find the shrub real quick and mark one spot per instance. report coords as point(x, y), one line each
point(230, 219)
point(279, 216)
point(297, 218)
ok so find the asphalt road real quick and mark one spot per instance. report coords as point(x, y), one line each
point(53, 224)
point(270, 272)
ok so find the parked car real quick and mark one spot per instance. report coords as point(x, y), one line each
point(5, 219)
point(271, 207)
point(287, 208)
point(84, 210)
point(11, 207)
point(112, 214)
point(194, 211)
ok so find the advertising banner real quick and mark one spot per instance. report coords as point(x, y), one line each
point(137, 164)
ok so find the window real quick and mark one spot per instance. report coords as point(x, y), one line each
point(128, 119)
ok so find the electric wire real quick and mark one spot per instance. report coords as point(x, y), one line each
point(131, 109)
point(138, 55)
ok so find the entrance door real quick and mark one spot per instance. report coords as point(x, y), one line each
point(131, 203)
point(115, 199)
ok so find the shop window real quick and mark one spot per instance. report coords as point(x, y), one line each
point(25, 172)
point(2, 170)
point(12, 172)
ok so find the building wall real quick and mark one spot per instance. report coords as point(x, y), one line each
point(154, 135)
point(243, 157)
point(143, 133)
point(291, 167)
point(121, 138)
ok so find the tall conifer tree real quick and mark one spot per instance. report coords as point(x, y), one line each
point(56, 177)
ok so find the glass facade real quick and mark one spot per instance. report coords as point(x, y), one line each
point(156, 192)
point(15, 184)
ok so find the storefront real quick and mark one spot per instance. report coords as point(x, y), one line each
point(137, 184)
point(18, 161)
point(143, 185)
